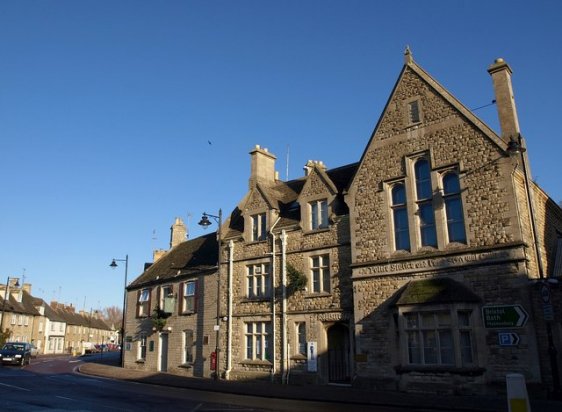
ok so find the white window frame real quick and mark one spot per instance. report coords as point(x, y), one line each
point(189, 296)
point(321, 270)
point(258, 230)
point(144, 301)
point(141, 350)
point(300, 339)
point(257, 341)
point(166, 303)
point(318, 212)
point(258, 280)
point(188, 345)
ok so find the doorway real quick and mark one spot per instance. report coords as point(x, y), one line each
point(338, 354)
point(163, 352)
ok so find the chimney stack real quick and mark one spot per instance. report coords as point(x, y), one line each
point(157, 254)
point(178, 232)
point(263, 167)
point(505, 102)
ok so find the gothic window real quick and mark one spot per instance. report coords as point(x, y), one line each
point(424, 199)
point(400, 217)
point(453, 208)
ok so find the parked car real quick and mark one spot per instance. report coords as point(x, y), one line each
point(16, 353)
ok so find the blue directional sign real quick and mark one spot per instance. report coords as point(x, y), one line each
point(508, 338)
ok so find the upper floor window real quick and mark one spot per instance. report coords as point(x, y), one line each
point(259, 227)
point(414, 112)
point(320, 273)
point(189, 300)
point(166, 303)
point(258, 340)
point(258, 280)
point(424, 198)
point(453, 208)
point(143, 304)
point(319, 214)
point(400, 217)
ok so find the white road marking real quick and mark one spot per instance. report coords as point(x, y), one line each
point(74, 361)
point(197, 407)
point(15, 387)
point(62, 397)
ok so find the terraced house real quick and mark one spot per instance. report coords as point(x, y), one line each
point(432, 264)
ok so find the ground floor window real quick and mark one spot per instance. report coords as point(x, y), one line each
point(188, 346)
point(142, 348)
point(438, 337)
point(258, 340)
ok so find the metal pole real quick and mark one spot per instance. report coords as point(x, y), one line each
point(217, 347)
point(124, 308)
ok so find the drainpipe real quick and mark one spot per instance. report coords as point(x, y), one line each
point(284, 304)
point(229, 310)
point(273, 322)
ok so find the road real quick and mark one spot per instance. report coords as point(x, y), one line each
point(52, 384)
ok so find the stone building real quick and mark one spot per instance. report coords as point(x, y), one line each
point(444, 247)
point(171, 309)
point(432, 264)
point(18, 312)
point(288, 299)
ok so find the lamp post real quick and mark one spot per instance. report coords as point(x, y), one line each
point(205, 223)
point(114, 265)
point(515, 148)
point(16, 285)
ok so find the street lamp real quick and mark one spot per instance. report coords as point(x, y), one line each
point(205, 223)
point(515, 148)
point(16, 285)
point(114, 265)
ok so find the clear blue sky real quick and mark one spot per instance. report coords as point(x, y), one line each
point(107, 108)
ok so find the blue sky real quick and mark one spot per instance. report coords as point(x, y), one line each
point(107, 109)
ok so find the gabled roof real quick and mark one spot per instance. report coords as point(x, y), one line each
point(25, 307)
point(412, 66)
point(187, 258)
point(286, 194)
point(49, 313)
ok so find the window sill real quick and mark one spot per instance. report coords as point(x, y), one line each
point(299, 357)
point(251, 242)
point(318, 295)
point(140, 361)
point(187, 365)
point(314, 231)
point(466, 371)
point(251, 362)
point(255, 299)
point(188, 312)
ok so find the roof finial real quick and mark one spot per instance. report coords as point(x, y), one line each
point(408, 57)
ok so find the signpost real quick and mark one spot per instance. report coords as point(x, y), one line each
point(504, 316)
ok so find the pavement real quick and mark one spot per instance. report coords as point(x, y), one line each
point(322, 393)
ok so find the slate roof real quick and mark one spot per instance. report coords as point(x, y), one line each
point(435, 291)
point(285, 194)
point(49, 313)
point(26, 306)
point(187, 258)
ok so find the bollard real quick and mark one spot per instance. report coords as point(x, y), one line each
point(517, 398)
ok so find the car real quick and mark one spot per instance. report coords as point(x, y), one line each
point(15, 353)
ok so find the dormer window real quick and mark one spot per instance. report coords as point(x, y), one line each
point(259, 227)
point(319, 214)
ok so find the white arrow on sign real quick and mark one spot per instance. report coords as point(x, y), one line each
point(522, 316)
point(508, 339)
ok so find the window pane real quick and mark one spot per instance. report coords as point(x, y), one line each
point(427, 320)
point(446, 347)
point(401, 232)
point(427, 225)
point(326, 280)
point(429, 347)
point(464, 318)
point(316, 280)
point(314, 214)
point(414, 112)
point(443, 319)
point(324, 214)
point(411, 320)
point(451, 184)
point(413, 348)
point(398, 195)
point(466, 348)
point(423, 180)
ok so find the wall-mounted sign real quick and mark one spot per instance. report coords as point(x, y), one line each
point(312, 356)
point(504, 316)
point(508, 338)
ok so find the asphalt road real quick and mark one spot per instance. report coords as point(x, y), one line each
point(51, 384)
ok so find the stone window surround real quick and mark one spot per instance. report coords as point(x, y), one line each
point(306, 216)
point(266, 321)
point(248, 223)
point(406, 111)
point(453, 309)
point(266, 295)
point(408, 180)
point(308, 268)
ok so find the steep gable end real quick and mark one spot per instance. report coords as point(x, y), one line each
point(317, 183)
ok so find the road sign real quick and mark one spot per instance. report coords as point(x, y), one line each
point(504, 316)
point(508, 339)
